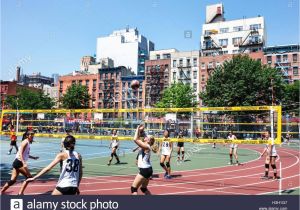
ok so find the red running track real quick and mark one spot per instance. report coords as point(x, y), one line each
point(227, 180)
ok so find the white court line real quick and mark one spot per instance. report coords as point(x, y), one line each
point(276, 191)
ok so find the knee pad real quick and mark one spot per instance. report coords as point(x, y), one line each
point(178, 153)
point(133, 189)
point(230, 155)
point(273, 166)
point(182, 152)
point(144, 189)
point(168, 164)
point(267, 166)
point(11, 182)
point(162, 164)
point(111, 154)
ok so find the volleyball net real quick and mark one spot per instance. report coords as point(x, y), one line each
point(200, 125)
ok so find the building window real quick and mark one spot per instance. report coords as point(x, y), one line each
point(202, 65)
point(269, 59)
point(224, 30)
point(80, 82)
point(117, 75)
point(166, 56)
point(180, 62)
point(188, 62)
point(174, 63)
point(295, 57)
point(295, 71)
point(238, 28)
point(94, 83)
point(223, 42)
point(87, 83)
point(195, 62)
point(73, 82)
point(61, 84)
point(285, 58)
point(255, 27)
point(278, 58)
point(203, 78)
point(106, 75)
point(157, 56)
point(189, 74)
point(195, 86)
point(174, 75)
point(195, 75)
point(100, 76)
point(237, 40)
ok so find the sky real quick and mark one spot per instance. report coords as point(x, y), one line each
point(51, 36)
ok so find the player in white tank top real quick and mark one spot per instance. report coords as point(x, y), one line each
point(233, 149)
point(271, 152)
point(70, 177)
point(145, 169)
point(114, 144)
point(20, 162)
point(166, 148)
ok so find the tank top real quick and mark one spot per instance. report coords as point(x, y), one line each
point(26, 152)
point(232, 137)
point(115, 141)
point(144, 158)
point(165, 147)
point(69, 176)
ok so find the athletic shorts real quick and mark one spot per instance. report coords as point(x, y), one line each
point(180, 144)
point(67, 190)
point(13, 143)
point(146, 172)
point(275, 156)
point(17, 164)
point(116, 147)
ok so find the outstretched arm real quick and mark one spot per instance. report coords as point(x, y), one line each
point(45, 170)
point(137, 139)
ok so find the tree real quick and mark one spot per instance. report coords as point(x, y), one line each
point(76, 97)
point(291, 97)
point(179, 95)
point(29, 99)
point(243, 81)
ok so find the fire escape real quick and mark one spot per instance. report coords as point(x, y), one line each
point(210, 46)
point(154, 84)
point(283, 65)
point(252, 41)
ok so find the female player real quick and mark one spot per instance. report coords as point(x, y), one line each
point(20, 162)
point(70, 177)
point(114, 146)
point(13, 140)
point(270, 158)
point(180, 147)
point(166, 148)
point(233, 149)
point(144, 164)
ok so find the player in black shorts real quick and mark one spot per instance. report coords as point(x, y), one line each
point(180, 147)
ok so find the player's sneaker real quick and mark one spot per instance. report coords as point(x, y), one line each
point(166, 174)
point(168, 177)
point(265, 177)
point(276, 177)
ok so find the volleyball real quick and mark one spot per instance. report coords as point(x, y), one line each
point(135, 84)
